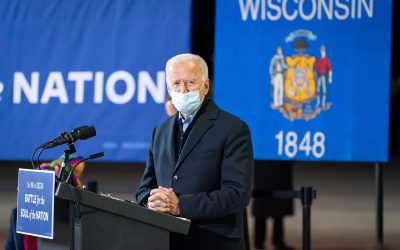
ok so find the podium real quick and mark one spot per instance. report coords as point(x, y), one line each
point(108, 223)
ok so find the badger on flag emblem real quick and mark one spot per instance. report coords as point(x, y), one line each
point(299, 83)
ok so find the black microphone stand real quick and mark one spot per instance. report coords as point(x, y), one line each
point(77, 242)
point(67, 154)
point(77, 218)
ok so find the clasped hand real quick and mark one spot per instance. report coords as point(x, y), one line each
point(164, 200)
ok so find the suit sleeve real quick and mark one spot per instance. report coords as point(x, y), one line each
point(148, 181)
point(236, 181)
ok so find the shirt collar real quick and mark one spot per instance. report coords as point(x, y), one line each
point(189, 118)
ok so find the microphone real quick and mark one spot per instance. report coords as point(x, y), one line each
point(91, 157)
point(80, 133)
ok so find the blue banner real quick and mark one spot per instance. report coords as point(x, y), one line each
point(310, 78)
point(35, 209)
point(73, 63)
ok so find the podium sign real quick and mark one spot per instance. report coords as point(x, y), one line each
point(35, 209)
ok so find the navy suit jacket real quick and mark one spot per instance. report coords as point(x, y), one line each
point(213, 174)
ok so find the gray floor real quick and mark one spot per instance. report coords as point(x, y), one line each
point(343, 215)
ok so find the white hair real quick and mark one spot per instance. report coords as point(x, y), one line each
point(184, 58)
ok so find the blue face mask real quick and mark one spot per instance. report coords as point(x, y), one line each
point(186, 103)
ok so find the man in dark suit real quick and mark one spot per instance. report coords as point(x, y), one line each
point(200, 163)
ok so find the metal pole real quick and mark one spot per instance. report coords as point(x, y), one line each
point(379, 203)
point(246, 230)
point(306, 200)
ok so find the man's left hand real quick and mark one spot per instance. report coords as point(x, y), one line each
point(164, 200)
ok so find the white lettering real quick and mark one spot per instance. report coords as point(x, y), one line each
point(250, 6)
point(24, 213)
point(262, 9)
point(119, 87)
point(343, 7)
point(21, 84)
point(146, 83)
point(54, 88)
point(285, 13)
point(328, 9)
point(120, 76)
point(368, 8)
point(312, 13)
point(42, 215)
point(98, 87)
point(274, 10)
point(353, 9)
point(80, 78)
point(27, 198)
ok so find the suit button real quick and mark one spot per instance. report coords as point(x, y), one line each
point(175, 177)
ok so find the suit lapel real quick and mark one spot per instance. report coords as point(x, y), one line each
point(204, 122)
point(169, 138)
